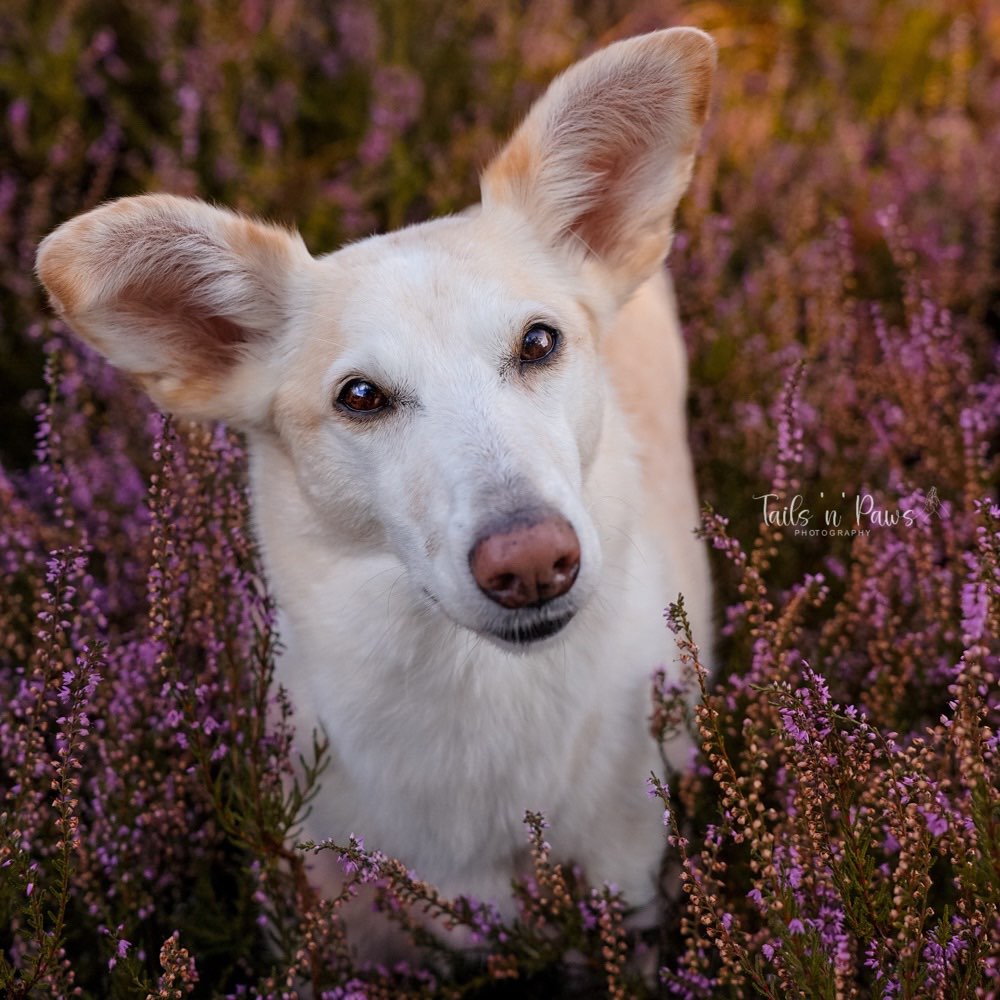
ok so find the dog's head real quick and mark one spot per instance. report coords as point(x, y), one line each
point(437, 391)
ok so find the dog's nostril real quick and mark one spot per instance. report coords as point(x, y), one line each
point(528, 563)
point(505, 581)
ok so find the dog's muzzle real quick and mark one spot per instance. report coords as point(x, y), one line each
point(524, 564)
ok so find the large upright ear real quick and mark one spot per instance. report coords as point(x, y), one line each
point(604, 156)
point(187, 298)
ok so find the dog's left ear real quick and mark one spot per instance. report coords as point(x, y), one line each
point(191, 300)
point(604, 156)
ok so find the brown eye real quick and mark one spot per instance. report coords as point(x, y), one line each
point(538, 343)
point(362, 397)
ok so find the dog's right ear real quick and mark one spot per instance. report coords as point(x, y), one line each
point(602, 159)
point(187, 298)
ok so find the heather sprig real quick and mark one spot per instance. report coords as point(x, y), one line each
point(558, 916)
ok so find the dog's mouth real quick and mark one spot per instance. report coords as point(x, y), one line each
point(523, 632)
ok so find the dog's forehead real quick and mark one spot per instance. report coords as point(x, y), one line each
point(428, 289)
point(454, 277)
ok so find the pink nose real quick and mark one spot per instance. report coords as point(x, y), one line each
point(528, 564)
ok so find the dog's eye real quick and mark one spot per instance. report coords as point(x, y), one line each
point(362, 397)
point(538, 343)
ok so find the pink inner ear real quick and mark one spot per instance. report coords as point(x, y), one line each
point(225, 332)
point(628, 146)
point(198, 343)
point(614, 171)
point(183, 300)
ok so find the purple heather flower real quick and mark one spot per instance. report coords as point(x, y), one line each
point(937, 824)
point(975, 608)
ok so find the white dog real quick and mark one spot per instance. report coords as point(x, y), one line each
point(469, 467)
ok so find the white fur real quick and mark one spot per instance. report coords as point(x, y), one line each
point(443, 734)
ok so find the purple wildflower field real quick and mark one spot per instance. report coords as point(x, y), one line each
point(838, 269)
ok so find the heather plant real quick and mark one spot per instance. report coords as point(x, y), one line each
point(838, 832)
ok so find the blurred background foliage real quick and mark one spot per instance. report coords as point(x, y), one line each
point(346, 118)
